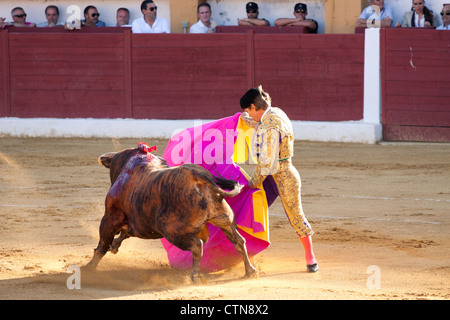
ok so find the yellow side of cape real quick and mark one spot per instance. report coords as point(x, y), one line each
point(242, 149)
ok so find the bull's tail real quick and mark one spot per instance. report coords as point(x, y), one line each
point(231, 185)
point(217, 184)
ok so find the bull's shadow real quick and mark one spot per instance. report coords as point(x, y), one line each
point(119, 282)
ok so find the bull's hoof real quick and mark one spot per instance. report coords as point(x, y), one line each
point(92, 265)
point(89, 266)
point(198, 280)
point(252, 275)
point(114, 247)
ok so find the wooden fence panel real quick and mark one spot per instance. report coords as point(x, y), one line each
point(67, 75)
point(416, 88)
point(188, 76)
point(313, 77)
point(3, 47)
point(4, 75)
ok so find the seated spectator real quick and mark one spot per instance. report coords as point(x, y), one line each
point(252, 16)
point(300, 13)
point(52, 15)
point(376, 15)
point(91, 18)
point(445, 14)
point(4, 24)
point(150, 23)
point(123, 17)
point(204, 24)
point(19, 18)
point(418, 16)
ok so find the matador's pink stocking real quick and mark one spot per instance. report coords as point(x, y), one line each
point(309, 253)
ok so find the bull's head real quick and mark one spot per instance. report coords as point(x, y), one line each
point(118, 161)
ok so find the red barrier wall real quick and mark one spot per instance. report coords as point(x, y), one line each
point(416, 88)
point(4, 75)
point(188, 77)
point(314, 78)
point(73, 76)
point(116, 74)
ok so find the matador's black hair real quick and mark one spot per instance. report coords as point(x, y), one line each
point(249, 97)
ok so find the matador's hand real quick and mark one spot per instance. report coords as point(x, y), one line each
point(251, 185)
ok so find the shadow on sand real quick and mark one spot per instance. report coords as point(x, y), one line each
point(120, 282)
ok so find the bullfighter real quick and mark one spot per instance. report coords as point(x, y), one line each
point(274, 147)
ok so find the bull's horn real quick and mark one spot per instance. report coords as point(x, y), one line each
point(102, 160)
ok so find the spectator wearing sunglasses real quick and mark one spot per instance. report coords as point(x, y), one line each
point(418, 16)
point(19, 18)
point(252, 16)
point(150, 23)
point(300, 13)
point(445, 14)
point(378, 14)
point(91, 17)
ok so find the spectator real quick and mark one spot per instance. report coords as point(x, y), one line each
point(150, 23)
point(91, 18)
point(300, 13)
point(19, 18)
point(52, 15)
point(123, 17)
point(376, 15)
point(445, 14)
point(204, 24)
point(418, 16)
point(252, 16)
point(4, 24)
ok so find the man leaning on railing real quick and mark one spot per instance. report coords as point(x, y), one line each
point(377, 15)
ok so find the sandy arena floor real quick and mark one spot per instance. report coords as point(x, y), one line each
point(380, 212)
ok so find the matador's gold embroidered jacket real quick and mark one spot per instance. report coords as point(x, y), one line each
point(273, 142)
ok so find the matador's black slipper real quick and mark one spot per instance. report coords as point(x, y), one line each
point(312, 267)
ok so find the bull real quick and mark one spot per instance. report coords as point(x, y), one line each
point(150, 200)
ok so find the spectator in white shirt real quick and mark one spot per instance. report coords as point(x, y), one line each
point(204, 24)
point(445, 14)
point(419, 16)
point(150, 23)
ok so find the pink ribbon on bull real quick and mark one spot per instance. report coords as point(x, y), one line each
point(145, 148)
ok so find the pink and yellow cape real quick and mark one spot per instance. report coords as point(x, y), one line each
point(217, 146)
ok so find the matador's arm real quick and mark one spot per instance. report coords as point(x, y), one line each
point(268, 156)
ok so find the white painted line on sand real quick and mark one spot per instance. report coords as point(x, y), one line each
point(390, 198)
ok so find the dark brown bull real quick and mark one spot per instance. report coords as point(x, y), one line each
point(150, 200)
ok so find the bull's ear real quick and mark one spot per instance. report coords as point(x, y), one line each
point(105, 159)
